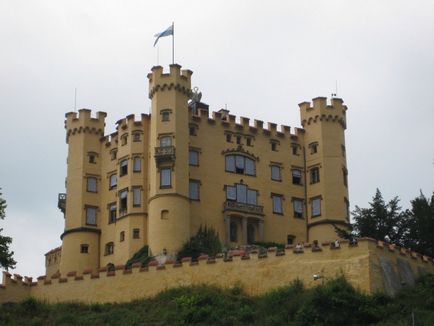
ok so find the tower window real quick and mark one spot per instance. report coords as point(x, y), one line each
point(274, 147)
point(343, 150)
point(347, 209)
point(136, 233)
point(92, 157)
point(249, 141)
point(277, 203)
point(165, 178)
point(276, 173)
point(194, 189)
point(137, 164)
point(112, 213)
point(136, 136)
point(193, 158)
point(84, 248)
point(122, 236)
point(91, 184)
point(316, 206)
point(113, 154)
point(123, 201)
point(296, 176)
point(298, 207)
point(113, 182)
point(313, 147)
point(137, 201)
point(91, 215)
point(294, 148)
point(192, 130)
point(109, 248)
point(314, 175)
point(345, 176)
point(165, 114)
point(123, 167)
point(124, 139)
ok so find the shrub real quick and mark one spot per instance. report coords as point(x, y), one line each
point(206, 241)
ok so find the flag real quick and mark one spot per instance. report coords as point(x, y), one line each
point(167, 32)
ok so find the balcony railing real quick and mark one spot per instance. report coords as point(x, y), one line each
point(243, 208)
point(164, 154)
point(61, 202)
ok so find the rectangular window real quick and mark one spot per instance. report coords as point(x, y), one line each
point(124, 139)
point(165, 141)
point(249, 167)
point(194, 190)
point(123, 201)
point(298, 207)
point(137, 194)
point(251, 196)
point(113, 181)
point(249, 141)
point(296, 177)
point(294, 149)
point(345, 176)
point(112, 213)
point(193, 158)
point(231, 193)
point(137, 164)
point(91, 184)
point(230, 163)
point(122, 236)
point(241, 193)
point(109, 248)
point(113, 154)
point(123, 167)
point(84, 248)
point(347, 209)
point(314, 175)
point(316, 207)
point(313, 148)
point(91, 215)
point(277, 204)
point(229, 138)
point(136, 136)
point(136, 233)
point(275, 173)
point(165, 178)
point(192, 131)
point(165, 115)
point(239, 163)
point(274, 146)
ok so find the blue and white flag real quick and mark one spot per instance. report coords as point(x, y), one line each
point(167, 32)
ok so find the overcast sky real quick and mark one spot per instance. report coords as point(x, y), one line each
point(260, 58)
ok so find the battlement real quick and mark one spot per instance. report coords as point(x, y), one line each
point(83, 122)
point(177, 79)
point(130, 123)
point(319, 110)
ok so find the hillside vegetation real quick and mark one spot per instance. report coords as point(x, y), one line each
point(334, 303)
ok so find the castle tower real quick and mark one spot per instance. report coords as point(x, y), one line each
point(169, 204)
point(326, 168)
point(80, 240)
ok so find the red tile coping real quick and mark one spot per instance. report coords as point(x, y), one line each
point(211, 261)
point(127, 271)
point(272, 249)
point(92, 276)
point(144, 269)
point(288, 246)
point(186, 260)
point(70, 274)
point(89, 271)
point(47, 282)
point(63, 280)
point(161, 267)
point(103, 269)
point(119, 267)
point(113, 273)
point(153, 263)
point(78, 278)
point(194, 263)
point(203, 257)
point(18, 277)
point(41, 278)
point(380, 244)
point(391, 247)
point(136, 265)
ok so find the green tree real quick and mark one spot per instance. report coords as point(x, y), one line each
point(421, 225)
point(381, 220)
point(6, 259)
point(206, 241)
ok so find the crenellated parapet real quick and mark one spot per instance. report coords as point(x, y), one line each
point(83, 122)
point(177, 79)
point(319, 110)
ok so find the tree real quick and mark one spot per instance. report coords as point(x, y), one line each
point(206, 241)
point(421, 225)
point(6, 259)
point(381, 221)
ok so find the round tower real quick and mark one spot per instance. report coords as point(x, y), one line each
point(169, 205)
point(326, 167)
point(80, 239)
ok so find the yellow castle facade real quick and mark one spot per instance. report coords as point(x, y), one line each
point(156, 180)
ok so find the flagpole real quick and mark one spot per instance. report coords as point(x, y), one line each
point(173, 43)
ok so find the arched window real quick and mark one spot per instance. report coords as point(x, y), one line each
point(240, 164)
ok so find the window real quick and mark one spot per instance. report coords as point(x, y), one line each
point(165, 115)
point(290, 239)
point(113, 154)
point(275, 173)
point(233, 232)
point(343, 150)
point(316, 206)
point(274, 145)
point(136, 136)
point(112, 213)
point(91, 184)
point(137, 201)
point(123, 167)
point(249, 141)
point(347, 209)
point(137, 164)
point(345, 176)
point(123, 201)
point(124, 139)
point(194, 189)
point(92, 158)
point(192, 130)
point(193, 157)
point(241, 194)
point(314, 175)
point(294, 148)
point(165, 141)
point(239, 140)
point(277, 204)
point(229, 138)
point(240, 164)
point(113, 182)
point(122, 236)
point(313, 147)
point(91, 215)
point(298, 207)
point(84, 248)
point(136, 233)
point(164, 214)
point(165, 178)
point(296, 176)
point(109, 248)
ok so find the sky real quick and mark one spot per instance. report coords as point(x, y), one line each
point(258, 58)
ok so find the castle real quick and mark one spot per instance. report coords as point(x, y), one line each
point(155, 181)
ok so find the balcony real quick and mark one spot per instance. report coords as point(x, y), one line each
point(164, 154)
point(243, 208)
point(61, 202)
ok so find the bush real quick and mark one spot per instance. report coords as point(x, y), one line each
point(206, 241)
point(140, 256)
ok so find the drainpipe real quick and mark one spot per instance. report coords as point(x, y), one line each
point(305, 194)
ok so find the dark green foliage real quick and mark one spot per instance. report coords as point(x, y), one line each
point(206, 241)
point(140, 256)
point(269, 244)
point(334, 303)
point(6, 256)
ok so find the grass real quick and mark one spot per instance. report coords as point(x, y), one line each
point(334, 303)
